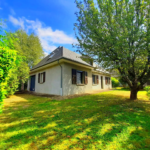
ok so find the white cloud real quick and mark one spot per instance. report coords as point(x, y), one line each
point(17, 22)
point(56, 36)
point(45, 54)
point(48, 37)
point(46, 45)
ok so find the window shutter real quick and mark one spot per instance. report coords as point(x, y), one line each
point(86, 77)
point(97, 79)
point(43, 77)
point(74, 78)
point(39, 78)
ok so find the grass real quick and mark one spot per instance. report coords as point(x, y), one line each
point(105, 121)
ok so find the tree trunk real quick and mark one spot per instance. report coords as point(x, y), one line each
point(133, 94)
point(22, 86)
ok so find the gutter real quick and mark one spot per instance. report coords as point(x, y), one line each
point(60, 78)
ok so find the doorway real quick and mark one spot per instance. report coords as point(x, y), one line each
point(32, 83)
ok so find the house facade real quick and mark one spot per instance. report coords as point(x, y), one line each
point(63, 72)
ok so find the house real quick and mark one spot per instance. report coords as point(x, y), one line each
point(63, 72)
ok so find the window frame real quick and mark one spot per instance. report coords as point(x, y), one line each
point(96, 77)
point(41, 77)
point(108, 80)
point(82, 77)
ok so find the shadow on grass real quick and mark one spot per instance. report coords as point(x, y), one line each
point(102, 121)
point(125, 89)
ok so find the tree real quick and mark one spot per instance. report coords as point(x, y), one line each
point(8, 60)
point(116, 33)
point(115, 82)
point(30, 48)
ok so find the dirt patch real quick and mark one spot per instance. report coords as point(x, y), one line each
point(58, 97)
point(77, 95)
point(68, 97)
point(26, 106)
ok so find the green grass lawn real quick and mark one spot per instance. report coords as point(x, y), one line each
point(105, 121)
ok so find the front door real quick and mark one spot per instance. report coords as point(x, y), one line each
point(32, 83)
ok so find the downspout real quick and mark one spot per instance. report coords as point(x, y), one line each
point(60, 79)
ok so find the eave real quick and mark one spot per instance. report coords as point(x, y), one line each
point(100, 72)
point(61, 60)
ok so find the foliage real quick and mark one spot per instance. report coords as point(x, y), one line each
point(29, 47)
point(124, 84)
point(147, 88)
point(100, 121)
point(7, 60)
point(117, 35)
point(16, 75)
point(115, 82)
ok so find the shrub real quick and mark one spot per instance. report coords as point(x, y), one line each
point(147, 88)
point(7, 60)
point(115, 82)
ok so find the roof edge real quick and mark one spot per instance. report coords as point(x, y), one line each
point(59, 59)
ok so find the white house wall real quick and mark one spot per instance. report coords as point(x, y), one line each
point(107, 86)
point(68, 87)
point(52, 84)
point(98, 86)
point(52, 81)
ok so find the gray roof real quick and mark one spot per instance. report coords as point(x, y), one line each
point(61, 52)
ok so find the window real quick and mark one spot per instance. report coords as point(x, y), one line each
point(52, 54)
point(79, 77)
point(95, 79)
point(107, 80)
point(41, 77)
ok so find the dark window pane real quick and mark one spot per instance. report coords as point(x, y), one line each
point(93, 76)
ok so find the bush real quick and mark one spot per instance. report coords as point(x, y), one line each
point(123, 83)
point(7, 61)
point(115, 82)
point(147, 88)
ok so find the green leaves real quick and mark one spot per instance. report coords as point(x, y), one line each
point(115, 82)
point(28, 46)
point(9, 60)
point(30, 50)
point(116, 34)
point(147, 89)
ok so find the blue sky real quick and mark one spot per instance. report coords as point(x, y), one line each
point(51, 20)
